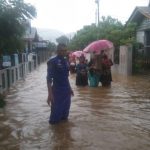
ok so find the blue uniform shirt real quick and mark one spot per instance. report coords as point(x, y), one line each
point(58, 72)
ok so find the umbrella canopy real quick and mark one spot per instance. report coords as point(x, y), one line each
point(98, 46)
point(78, 53)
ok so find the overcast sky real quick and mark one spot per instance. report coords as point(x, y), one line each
point(71, 15)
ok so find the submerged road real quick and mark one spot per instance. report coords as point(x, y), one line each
point(116, 118)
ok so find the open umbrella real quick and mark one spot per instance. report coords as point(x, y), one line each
point(78, 53)
point(98, 46)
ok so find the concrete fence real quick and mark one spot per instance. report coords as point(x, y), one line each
point(9, 76)
point(125, 61)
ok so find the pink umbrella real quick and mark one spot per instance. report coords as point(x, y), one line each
point(78, 53)
point(98, 46)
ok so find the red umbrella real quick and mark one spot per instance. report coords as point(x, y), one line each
point(98, 46)
point(78, 53)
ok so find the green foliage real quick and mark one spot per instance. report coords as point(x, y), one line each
point(129, 34)
point(109, 28)
point(139, 58)
point(83, 37)
point(13, 14)
point(51, 46)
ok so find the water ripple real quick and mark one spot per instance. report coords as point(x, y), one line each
point(100, 118)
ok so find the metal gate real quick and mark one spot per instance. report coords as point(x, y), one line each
point(141, 59)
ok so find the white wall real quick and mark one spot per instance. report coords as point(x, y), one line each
point(140, 37)
point(125, 61)
point(125, 65)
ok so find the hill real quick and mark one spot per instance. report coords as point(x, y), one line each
point(49, 34)
point(52, 34)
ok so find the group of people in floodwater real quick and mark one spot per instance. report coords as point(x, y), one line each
point(93, 72)
point(98, 69)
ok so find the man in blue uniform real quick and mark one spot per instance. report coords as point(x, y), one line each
point(59, 89)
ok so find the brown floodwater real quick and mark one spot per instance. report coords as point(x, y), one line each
point(115, 118)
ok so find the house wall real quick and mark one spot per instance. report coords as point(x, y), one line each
point(145, 24)
point(143, 35)
point(140, 36)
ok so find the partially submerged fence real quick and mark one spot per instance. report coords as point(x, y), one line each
point(11, 75)
point(125, 61)
point(141, 60)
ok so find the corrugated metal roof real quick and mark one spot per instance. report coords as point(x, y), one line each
point(138, 13)
point(145, 11)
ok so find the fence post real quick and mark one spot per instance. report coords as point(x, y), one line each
point(9, 76)
point(125, 63)
point(0, 82)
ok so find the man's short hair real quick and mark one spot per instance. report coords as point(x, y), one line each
point(61, 46)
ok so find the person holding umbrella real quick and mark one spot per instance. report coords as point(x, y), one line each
point(101, 47)
point(81, 72)
point(106, 76)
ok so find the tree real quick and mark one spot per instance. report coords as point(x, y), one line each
point(62, 39)
point(129, 34)
point(13, 14)
point(109, 28)
point(52, 46)
point(83, 37)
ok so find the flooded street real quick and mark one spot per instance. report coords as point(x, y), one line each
point(116, 118)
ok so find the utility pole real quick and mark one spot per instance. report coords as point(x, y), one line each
point(97, 2)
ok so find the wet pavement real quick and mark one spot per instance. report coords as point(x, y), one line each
point(115, 118)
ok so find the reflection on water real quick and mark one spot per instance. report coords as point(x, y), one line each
point(100, 118)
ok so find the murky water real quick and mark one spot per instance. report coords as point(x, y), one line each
point(116, 118)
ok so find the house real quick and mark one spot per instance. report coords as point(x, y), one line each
point(41, 43)
point(141, 16)
point(30, 37)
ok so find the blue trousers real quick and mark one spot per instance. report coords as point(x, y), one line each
point(61, 105)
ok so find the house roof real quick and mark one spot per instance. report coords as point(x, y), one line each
point(138, 14)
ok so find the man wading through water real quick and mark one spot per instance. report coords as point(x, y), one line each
point(59, 89)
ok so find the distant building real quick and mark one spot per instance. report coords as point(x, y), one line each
point(41, 43)
point(141, 16)
point(32, 39)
